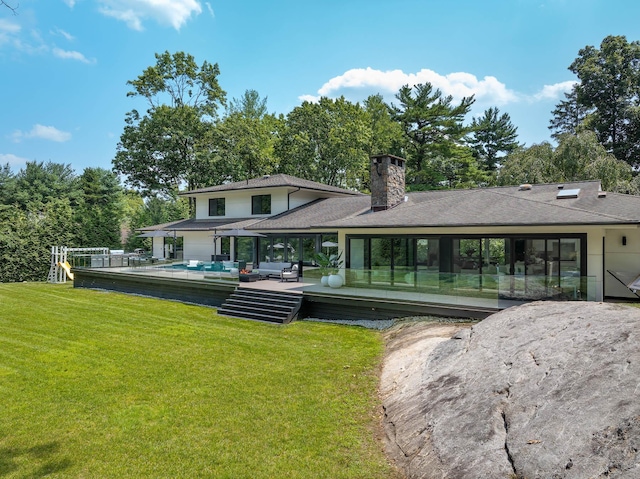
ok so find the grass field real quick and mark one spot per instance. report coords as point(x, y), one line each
point(104, 385)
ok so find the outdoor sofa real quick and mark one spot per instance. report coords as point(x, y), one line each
point(269, 269)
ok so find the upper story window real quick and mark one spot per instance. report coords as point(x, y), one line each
point(261, 205)
point(216, 207)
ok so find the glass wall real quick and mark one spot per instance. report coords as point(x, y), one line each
point(295, 248)
point(537, 265)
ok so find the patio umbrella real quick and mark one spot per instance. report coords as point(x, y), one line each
point(329, 244)
point(155, 234)
point(238, 232)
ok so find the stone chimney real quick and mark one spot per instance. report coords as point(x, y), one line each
point(387, 182)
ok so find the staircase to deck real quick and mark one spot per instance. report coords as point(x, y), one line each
point(273, 306)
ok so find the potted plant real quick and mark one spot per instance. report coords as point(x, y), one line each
point(323, 261)
point(335, 263)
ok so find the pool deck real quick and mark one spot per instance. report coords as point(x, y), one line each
point(338, 301)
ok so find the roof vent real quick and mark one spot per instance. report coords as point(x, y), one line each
point(265, 177)
point(568, 194)
point(560, 187)
point(602, 194)
point(525, 187)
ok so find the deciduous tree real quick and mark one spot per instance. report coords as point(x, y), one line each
point(610, 85)
point(577, 157)
point(326, 142)
point(171, 143)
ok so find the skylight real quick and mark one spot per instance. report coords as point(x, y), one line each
point(568, 193)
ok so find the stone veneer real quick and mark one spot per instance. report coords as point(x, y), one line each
point(387, 182)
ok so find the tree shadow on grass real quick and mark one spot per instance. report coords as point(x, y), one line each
point(41, 459)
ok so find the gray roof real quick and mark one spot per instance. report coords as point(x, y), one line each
point(316, 214)
point(274, 181)
point(503, 206)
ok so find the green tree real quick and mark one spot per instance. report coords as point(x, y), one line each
point(100, 212)
point(26, 237)
point(326, 142)
point(434, 130)
point(39, 183)
point(386, 134)
point(569, 115)
point(247, 136)
point(492, 138)
point(7, 185)
point(577, 157)
point(610, 86)
point(152, 211)
point(171, 144)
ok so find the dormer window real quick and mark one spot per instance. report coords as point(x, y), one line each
point(216, 207)
point(261, 205)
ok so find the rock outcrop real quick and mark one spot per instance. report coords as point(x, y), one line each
point(546, 390)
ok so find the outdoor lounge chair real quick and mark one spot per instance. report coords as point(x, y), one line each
point(289, 273)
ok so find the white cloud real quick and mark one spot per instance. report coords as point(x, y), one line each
point(42, 132)
point(458, 84)
point(8, 27)
point(555, 91)
point(309, 98)
point(62, 33)
point(71, 55)
point(358, 83)
point(210, 8)
point(8, 30)
point(13, 160)
point(70, 3)
point(166, 12)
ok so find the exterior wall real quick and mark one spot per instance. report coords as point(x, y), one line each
point(198, 245)
point(621, 258)
point(158, 247)
point(238, 203)
point(594, 259)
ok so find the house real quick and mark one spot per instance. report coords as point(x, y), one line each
point(568, 240)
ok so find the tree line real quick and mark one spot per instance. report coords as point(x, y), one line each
point(189, 136)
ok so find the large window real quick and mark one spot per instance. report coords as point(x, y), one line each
point(216, 207)
point(261, 205)
point(536, 265)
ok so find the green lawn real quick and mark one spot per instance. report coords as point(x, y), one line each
point(100, 385)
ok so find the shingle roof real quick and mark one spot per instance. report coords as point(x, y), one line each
point(504, 206)
point(316, 213)
point(274, 181)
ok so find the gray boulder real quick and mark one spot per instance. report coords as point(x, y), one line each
point(546, 390)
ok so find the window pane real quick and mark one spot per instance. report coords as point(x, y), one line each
point(277, 254)
point(466, 255)
point(261, 205)
point(535, 256)
point(357, 256)
point(309, 250)
point(244, 251)
point(216, 207)
point(428, 251)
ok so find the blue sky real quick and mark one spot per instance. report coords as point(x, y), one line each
point(64, 63)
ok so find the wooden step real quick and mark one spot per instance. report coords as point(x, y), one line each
point(261, 305)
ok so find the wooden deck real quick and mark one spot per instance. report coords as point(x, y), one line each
point(319, 301)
